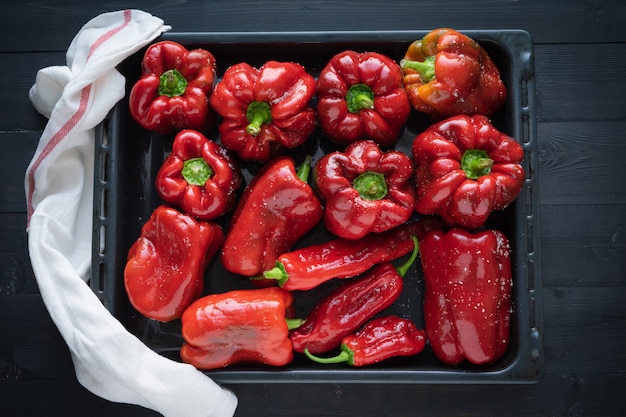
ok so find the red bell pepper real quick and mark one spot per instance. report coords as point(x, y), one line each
point(174, 88)
point(467, 299)
point(199, 176)
point(265, 110)
point(164, 272)
point(350, 306)
point(306, 268)
point(361, 96)
point(448, 73)
point(380, 339)
point(365, 190)
point(239, 326)
point(277, 208)
point(466, 168)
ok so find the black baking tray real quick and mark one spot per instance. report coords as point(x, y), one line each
point(127, 158)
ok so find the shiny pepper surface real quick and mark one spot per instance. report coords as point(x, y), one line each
point(361, 96)
point(467, 299)
point(466, 168)
point(174, 88)
point(447, 73)
point(199, 176)
point(264, 110)
point(164, 272)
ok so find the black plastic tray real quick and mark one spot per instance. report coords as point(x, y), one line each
point(128, 157)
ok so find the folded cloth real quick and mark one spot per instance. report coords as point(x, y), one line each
point(108, 360)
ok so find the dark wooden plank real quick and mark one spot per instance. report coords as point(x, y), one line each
point(16, 273)
point(21, 147)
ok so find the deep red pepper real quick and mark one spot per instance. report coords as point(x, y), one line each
point(174, 88)
point(467, 299)
point(466, 168)
point(365, 190)
point(447, 73)
point(380, 339)
point(239, 326)
point(350, 306)
point(309, 267)
point(165, 269)
point(199, 176)
point(361, 96)
point(265, 110)
point(277, 209)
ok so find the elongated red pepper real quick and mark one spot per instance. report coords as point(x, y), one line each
point(309, 267)
point(380, 339)
point(165, 269)
point(277, 209)
point(447, 73)
point(467, 299)
point(239, 326)
point(466, 168)
point(350, 306)
point(199, 176)
point(365, 190)
point(265, 110)
point(174, 88)
point(361, 96)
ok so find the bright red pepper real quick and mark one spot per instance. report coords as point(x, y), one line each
point(309, 267)
point(174, 88)
point(350, 306)
point(165, 269)
point(466, 168)
point(361, 96)
point(380, 339)
point(239, 326)
point(265, 110)
point(467, 299)
point(277, 209)
point(199, 176)
point(447, 73)
point(365, 190)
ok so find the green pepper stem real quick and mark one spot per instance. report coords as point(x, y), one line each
point(196, 171)
point(258, 114)
point(344, 356)
point(476, 163)
point(425, 69)
point(402, 269)
point(305, 169)
point(278, 273)
point(172, 83)
point(294, 323)
point(359, 96)
point(371, 185)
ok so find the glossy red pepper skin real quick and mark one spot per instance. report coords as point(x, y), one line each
point(447, 73)
point(465, 169)
point(164, 272)
point(199, 176)
point(277, 208)
point(239, 326)
point(380, 339)
point(306, 268)
point(164, 108)
point(361, 96)
point(365, 190)
point(264, 110)
point(467, 299)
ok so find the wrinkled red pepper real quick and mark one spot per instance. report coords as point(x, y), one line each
point(380, 339)
point(308, 267)
point(199, 176)
point(277, 209)
point(350, 306)
point(239, 326)
point(164, 272)
point(361, 96)
point(447, 73)
point(467, 299)
point(365, 189)
point(466, 168)
point(265, 110)
point(174, 88)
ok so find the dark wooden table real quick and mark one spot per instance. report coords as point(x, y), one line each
point(580, 58)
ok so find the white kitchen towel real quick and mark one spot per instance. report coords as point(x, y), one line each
point(108, 360)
